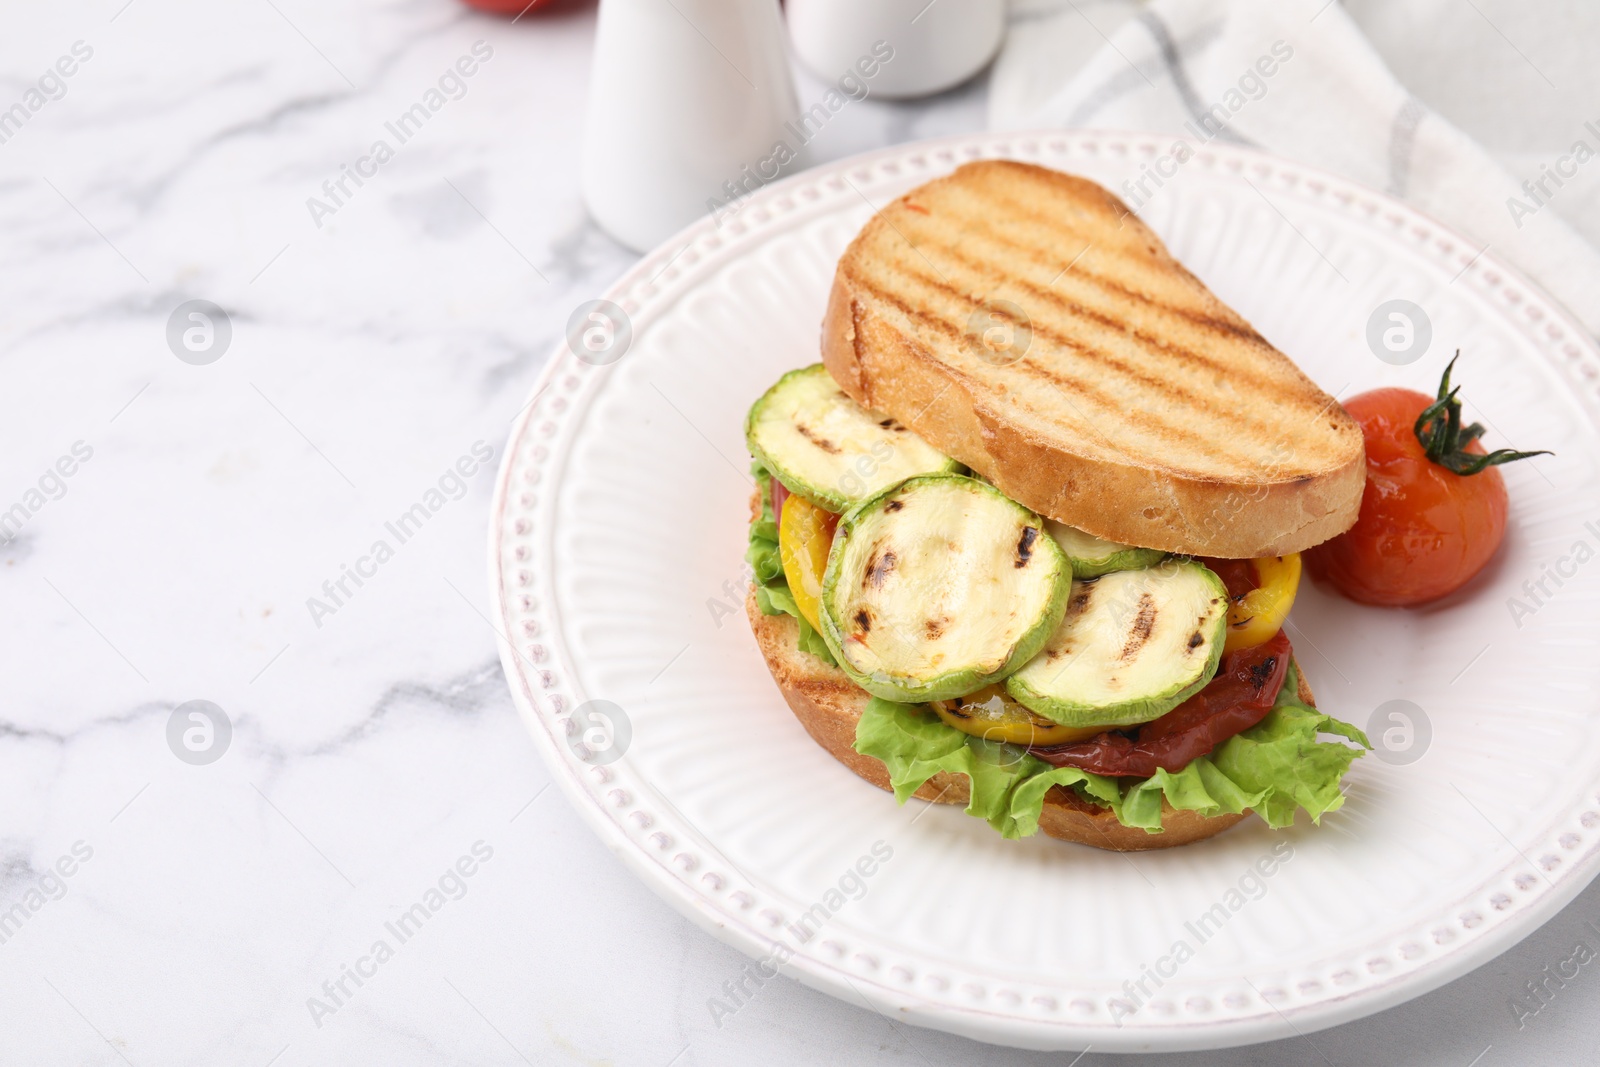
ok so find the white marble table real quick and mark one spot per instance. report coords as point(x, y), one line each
point(160, 910)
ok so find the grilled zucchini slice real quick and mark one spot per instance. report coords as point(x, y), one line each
point(1093, 556)
point(824, 446)
point(939, 585)
point(1132, 646)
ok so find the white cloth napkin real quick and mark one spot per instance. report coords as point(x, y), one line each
point(1334, 104)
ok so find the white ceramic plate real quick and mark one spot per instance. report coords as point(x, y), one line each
point(616, 562)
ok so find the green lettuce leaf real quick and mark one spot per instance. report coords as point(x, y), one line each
point(915, 745)
point(1282, 758)
point(1274, 768)
point(772, 588)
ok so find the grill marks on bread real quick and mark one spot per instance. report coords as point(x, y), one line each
point(1112, 326)
point(1080, 387)
point(1066, 296)
point(1127, 257)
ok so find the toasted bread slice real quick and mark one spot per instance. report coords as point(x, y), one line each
point(828, 704)
point(1026, 323)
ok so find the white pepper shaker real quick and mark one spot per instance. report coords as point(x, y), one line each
point(686, 102)
point(937, 43)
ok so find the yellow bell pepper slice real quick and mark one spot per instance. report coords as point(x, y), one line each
point(805, 533)
point(1260, 613)
point(992, 714)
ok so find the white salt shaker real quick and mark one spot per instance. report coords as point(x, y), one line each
point(936, 44)
point(687, 102)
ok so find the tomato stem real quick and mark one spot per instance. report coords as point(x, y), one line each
point(1444, 440)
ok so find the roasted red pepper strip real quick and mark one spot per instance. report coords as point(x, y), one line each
point(1238, 575)
point(1244, 689)
point(779, 495)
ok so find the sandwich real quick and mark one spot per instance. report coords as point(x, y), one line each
point(1027, 537)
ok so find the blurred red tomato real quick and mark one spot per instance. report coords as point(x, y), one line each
point(509, 7)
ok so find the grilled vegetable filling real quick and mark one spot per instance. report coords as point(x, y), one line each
point(938, 586)
point(1093, 556)
point(769, 583)
point(805, 533)
point(1260, 594)
point(1274, 768)
point(993, 715)
point(1239, 697)
point(827, 448)
point(1132, 646)
point(1023, 653)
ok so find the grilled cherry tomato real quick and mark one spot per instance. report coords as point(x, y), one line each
point(1260, 594)
point(1434, 508)
point(509, 7)
point(805, 533)
point(990, 713)
point(1242, 693)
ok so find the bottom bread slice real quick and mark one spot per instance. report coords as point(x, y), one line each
point(828, 704)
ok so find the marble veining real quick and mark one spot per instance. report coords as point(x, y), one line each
point(370, 752)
